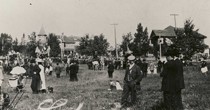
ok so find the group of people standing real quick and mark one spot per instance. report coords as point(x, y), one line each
point(37, 73)
point(172, 80)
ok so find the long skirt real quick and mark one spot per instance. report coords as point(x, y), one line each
point(35, 84)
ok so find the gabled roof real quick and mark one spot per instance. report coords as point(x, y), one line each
point(68, 39)
point(182, 29)
point(164, 33)
point(42, 32)
point(167, 32)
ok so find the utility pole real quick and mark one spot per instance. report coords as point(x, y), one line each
point(160, 42)
point(115, 39)
point(174, 18)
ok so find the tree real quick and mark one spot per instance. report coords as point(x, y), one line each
point(15, 45)
point(140, 45)
point(83, 48)
point(189, 41)
point(126, 42)
point(5, 44)
point(53, 42)
point(31, 45)
point(100, 44)
point(94, 47)
point(18, 48)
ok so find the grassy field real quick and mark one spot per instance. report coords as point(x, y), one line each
point(92, 89)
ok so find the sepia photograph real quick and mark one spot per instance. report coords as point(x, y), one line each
point(104, 55)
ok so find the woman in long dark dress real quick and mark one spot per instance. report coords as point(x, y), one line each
point(35, 77)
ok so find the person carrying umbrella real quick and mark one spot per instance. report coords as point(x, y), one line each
point(17, 73)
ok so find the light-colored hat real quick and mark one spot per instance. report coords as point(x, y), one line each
point(131, 57)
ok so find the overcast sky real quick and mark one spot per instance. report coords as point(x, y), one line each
point(93, 17)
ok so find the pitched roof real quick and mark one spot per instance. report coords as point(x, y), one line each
point(164, 33)
point(68, 39)
point(167, 32)
point(42, 32)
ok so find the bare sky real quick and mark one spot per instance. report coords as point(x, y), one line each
point(93, 17)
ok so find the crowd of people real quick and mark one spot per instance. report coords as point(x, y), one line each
point(136, 69)
point(37, 69)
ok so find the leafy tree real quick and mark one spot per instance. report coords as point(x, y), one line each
point(100, 45)
point(15, 45)
point(53, 42)
point(18, 48)
point(5, 44)
point(140, 45)
point(31, 45)
point(126, 42)
point(15, 42)
point(94, 47)
point(83, 46)
point(189, 41)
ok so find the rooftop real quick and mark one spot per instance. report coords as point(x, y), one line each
point(42, 32)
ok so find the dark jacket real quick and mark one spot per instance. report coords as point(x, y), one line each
point(144, 67)
point(74, 69)
point(172, 74)
point(110, 67)
point(180, 75)
point(134, 73)
point(35, 71)
point(203, 64)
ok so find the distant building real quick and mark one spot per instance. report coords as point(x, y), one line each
point(69, 44)
point(42, 49)
point(164, 37)
point(42, 37)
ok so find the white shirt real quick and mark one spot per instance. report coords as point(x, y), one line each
point(131, 66)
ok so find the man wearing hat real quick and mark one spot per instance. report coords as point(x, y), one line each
point(179, 80)
point(133, 75)
point(173, 81)
point(35, 70)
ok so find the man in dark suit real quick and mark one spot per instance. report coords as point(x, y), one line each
point(173, 81)
point(73, 71)
point(179, 80)
point(133, 75)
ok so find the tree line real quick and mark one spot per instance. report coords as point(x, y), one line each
point(188, 42)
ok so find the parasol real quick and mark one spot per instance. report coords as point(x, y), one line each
point(18, 70)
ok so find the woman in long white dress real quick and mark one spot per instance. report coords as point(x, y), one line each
point(42, 76)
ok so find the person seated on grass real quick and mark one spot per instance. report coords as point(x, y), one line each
point(204, 69)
